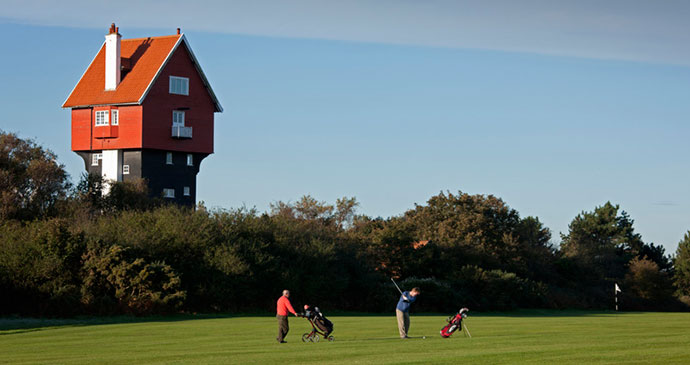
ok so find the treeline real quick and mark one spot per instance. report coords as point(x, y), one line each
point(69, 250)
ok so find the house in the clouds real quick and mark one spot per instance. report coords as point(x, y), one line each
point(144, 109)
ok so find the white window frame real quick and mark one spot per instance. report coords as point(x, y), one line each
point(168, 193)
point(101, 117)
point(95, 158)
point(190, 159)
point(186, 191)
point(168, 158)
point(114, 117)
point(178, 118)
point(179, 85)
point(125, 169)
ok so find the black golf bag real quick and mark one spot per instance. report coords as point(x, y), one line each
point(318, 319)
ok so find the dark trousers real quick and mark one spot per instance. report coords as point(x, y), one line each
point(283, 327)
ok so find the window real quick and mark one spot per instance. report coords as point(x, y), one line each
point(114, 117)
point(190, 159)
point(186, 191)
point(178, 118)
point(95, 157)
point(101, 117)
point(168, 158)
point(125, 169)
point(168, 193)
point(179, 85)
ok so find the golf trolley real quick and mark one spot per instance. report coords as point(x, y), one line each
point(320, 325)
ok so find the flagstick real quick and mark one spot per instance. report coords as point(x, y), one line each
point(616, 289)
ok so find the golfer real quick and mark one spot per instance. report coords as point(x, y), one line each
point(283, 308)
point(402, 311)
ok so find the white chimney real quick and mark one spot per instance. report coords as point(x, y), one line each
point(112, 58)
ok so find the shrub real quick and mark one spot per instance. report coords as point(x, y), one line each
point(118, 280)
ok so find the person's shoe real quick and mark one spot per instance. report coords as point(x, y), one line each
point(283, 341)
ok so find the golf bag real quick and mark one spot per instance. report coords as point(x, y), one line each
point(320, 324)
point(454, 323)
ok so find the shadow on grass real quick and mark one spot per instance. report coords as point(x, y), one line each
point(547, 313)
point(513, 313)
point(16, 325)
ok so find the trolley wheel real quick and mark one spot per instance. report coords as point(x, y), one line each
point(315, 338)
point(305, 337)
point(331, 338)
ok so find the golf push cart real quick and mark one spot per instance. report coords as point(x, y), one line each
point(320, 325)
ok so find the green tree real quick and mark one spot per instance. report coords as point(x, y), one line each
point(32, 182)
point(647, 281)
point(602, 241)
point(484, 231)
point(123, 195)
point(657, 254)
point(682, 266)
point(113, 274)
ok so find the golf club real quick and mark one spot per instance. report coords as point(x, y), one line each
point(396, 285)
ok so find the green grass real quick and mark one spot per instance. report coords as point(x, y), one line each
point(520, 337)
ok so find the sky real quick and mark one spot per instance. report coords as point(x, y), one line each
point(554, 106)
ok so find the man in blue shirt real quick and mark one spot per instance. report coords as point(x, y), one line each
point(402, 311)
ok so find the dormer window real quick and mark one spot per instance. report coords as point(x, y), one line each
point(101, 117)
point(179, 85)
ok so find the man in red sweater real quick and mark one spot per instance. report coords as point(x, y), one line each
point(284, 307)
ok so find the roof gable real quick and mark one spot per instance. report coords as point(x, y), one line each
point(143, 59)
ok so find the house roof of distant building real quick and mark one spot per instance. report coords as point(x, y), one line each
point(143, 59)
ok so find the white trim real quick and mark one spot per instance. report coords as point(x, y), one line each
point(106, 118)
point(97, 157)
point(183, 83)
point(160, 69)
point(82, 76)
point(219, 108)
point(203, 76)
point(178, 112)
point(114, 117)
point(99, 105)
point(182, 38)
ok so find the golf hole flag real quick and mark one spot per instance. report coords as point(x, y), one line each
point(617, 288)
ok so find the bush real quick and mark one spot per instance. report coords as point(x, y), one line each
point(116, 279)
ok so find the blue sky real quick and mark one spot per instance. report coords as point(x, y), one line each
point(554, 107)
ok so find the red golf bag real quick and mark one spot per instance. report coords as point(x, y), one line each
point(454, 323)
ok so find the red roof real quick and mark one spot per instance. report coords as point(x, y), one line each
point(145, 58)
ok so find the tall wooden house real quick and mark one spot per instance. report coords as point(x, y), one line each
point(144, 109)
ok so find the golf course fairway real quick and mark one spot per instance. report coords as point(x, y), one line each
point(514, 337)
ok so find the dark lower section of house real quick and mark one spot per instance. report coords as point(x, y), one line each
point(170, 174)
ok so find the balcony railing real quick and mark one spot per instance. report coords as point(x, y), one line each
point(181, 132)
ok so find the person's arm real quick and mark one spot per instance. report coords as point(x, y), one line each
point(289, 308)
point(405, 297)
